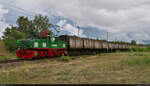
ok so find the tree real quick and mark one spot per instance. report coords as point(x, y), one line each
point(133, 42)
point(41, 23)
point(10, 40)
point(33, 27)
point(25, 25)
point(6, 33)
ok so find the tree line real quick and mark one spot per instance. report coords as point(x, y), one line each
point(25, 28)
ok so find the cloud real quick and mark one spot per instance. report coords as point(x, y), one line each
point(72, 30)
point(119, 17)
point(3, 25)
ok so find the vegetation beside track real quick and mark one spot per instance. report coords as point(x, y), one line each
point(120, 67)
point(4, 54)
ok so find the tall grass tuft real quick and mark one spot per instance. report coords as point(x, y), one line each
point(65, 58)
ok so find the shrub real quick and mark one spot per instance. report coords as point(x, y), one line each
point(73, 57)
point(65, 58)
point(47, 60)
point(10, 40)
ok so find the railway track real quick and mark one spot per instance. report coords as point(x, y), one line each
point(21, 60)
point(10, 61)
point(17, 62)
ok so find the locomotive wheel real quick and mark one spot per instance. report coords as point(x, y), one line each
point(66, 53)
point(31, 54)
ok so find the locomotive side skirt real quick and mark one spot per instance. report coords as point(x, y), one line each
point(40, 52)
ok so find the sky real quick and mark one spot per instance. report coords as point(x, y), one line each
point(122, 18)
point(3, 25)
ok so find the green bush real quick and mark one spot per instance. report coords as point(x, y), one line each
point(65, 58)
point(10, 40)
point(73, 57)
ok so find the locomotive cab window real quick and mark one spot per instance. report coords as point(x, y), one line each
point(44, 44)
point(35, 44)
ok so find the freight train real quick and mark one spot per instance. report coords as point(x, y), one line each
point(50, 45)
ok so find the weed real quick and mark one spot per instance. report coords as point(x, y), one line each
point(73, 57)
point(65, 58)
point(84, 56)
point(47, 60)
point(139, 54)
point(25, 62)
point(62, 73)
point(103, 54)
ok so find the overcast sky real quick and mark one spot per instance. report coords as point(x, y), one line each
point(116, 16)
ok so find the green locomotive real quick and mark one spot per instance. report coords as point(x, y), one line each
point(43, 47)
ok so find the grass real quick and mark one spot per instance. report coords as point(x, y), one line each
point(139, 59)
point(111, 68)
point(136, 49)
point(47, 60)
point(5, 57)
point(65, 58)
point(84, 56)
point(4, 54)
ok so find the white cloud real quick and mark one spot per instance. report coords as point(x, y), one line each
point(3, 25)
point(71, 29)
point(117, 16)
